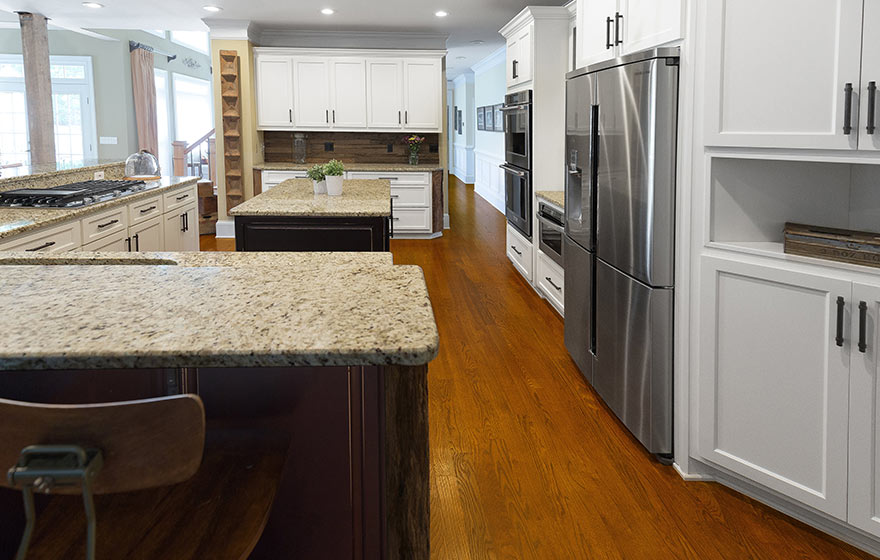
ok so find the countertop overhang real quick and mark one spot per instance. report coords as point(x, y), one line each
point(212, 310)
point(296, 197)
point(368, 167)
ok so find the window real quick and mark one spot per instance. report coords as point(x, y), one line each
point(72, 106)
point(156, 32)
point(163, 118)
point(193, 107)
point(196, 40)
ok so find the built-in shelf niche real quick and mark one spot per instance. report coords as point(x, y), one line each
point(751, 200)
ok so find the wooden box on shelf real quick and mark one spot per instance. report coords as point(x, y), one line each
point(855, 247)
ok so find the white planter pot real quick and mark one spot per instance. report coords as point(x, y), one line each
point(334, 185)
point(320, 186)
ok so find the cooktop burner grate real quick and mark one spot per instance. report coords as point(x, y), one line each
point(74, 194)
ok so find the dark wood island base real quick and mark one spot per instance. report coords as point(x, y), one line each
point(316, 234)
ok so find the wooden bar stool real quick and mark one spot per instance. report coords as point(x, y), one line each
point(162, 488)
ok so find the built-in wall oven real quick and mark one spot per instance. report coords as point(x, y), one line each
point(518, 161)
point(551, 231)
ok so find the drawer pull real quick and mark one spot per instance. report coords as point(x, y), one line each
point(547, 278)
point(389, 178)
point(43, 246)
point(515, 250)
point(395, 196)
point(182, 197)
point(395, 219)
point(145, 210)
point(110, 223)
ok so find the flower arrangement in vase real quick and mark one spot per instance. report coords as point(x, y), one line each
point(415, 144)
point(333, 171)
point(316, 174)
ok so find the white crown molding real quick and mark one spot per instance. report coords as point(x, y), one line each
point(466, 77)
point(352, 39)
point(497, 57)
point(572, 8)
point(230, 29)
point(533, 13)
point(376, 53)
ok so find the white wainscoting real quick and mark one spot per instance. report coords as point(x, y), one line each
point(489, 181)
point(463, 162)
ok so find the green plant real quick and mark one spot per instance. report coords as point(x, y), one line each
point(333, 168)
point(414, 142)
point(316, 173)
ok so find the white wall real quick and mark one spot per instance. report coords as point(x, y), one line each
point(490, 85)
point(463, 144)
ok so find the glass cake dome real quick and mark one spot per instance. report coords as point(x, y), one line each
point(142, 165)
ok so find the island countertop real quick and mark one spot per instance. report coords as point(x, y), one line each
point(368, 167)
point(171, 310)
point(295, 197)
point(553, 197)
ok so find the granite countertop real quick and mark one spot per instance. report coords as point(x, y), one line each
point(14, 221)
point(296, 197)
point(553, 197)
point(389, 167)
point(277, 310)
point(47, 169)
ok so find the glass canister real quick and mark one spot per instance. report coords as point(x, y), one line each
point(142, 165)
point(300, 147)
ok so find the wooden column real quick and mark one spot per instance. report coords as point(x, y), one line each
point(38, 86)
point(178, 158)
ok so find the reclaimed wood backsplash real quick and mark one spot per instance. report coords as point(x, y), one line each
point(350, 147)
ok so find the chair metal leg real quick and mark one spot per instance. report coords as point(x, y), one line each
point(30, 520)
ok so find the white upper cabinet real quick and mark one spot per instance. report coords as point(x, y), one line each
point(869, 131)
point(274, 92)
point(780, 73)
point(349, 93)
point(309, 90)
point(423, 101)
point(384, 93)
point(311, 93)
point(612, 28)
point(774, 379)
point(519, 57)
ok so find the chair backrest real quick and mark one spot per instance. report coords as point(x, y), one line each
point(146, 443)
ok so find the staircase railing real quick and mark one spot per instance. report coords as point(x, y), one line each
point(196, 159)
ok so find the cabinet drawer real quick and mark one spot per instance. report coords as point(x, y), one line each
point(412, 220)
point(55, 239)
point(144, 210)
point(275, 177)
point(117, 242)
point(180, 197)
point(403, 178)
point(403, 197)
point(519, 251)
point(104, 223)
point(551, 280)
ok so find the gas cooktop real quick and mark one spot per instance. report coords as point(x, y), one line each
point(70, 196)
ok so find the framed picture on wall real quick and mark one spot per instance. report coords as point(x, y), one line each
point(499, 117)
point(490, 118)
point(481, 118)
point(460, 121)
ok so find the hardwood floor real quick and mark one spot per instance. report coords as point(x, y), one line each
point(526, 461)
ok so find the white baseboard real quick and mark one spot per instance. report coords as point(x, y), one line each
point(692, 476)
point(434, 235)
point(226, 229)
point(445, 221)
point(496, 202)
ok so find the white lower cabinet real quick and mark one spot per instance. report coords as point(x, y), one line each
point(117, 242)
point(411, 200)
point(54, 239)
point(519, 251)
point(148, 235)
point(774, 384)
point(181, 229)
point(550, 279)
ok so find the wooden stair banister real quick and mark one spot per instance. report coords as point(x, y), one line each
point(182, 153)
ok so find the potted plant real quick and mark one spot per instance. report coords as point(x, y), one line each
point(316, 174)
point(415, 144)
point(333, 171)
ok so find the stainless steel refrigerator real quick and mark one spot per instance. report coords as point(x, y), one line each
point(621, 137)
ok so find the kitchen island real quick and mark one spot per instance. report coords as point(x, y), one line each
point(330, 348)
point(290, 217)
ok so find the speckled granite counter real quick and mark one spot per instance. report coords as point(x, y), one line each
point(553, 197)
point(295, 197)
point(53, 174)
point(389, 167)
point(14, 221)
point(277, 310)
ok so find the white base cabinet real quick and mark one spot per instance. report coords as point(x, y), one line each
point(550, 279)
point(178, 229)
point(519, 251)
point(148, 236)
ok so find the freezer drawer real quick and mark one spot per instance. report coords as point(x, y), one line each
point(578, 294)
point(634, 355)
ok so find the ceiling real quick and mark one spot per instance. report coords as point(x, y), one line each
point(468, 20)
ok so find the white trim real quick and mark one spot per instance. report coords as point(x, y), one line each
point(531, 13)
point(225, 229)
point(156, 33)
point(497, 57)
point(466, 77)
point(445, 221)
point(434, 235)
point(325, 39)
point(230, 29)
point(572, 8)
point(373, 53)
point(692, 476)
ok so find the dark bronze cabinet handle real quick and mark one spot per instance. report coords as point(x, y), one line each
point(182, 197)
point(145, 210)
point(608, 43)
point(290, 115)
point(43, 246)
point(182, 222)
point(872, 103)
point(334, 116)
point(547, 278)
point(618, 17)
point(128, 242)
point(137, 243)
point(395, 219)
point(839, 338)
point(863, 315)
point(515, 250)
point(847, 108)
point(110, 223)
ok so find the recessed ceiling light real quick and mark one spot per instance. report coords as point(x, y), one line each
point(92, 5)
point(460, 57)
point(441, 13)
point(328, 11)
point(212, 8)
point(477, 42)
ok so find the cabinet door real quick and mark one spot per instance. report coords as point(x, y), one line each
point(274, 92)
point(864, 410)
point(348, 89)
point(384, 94)
point(777, 72)
point(117, 243)
point(189, 240)
point(870, 140)
point(524, 55)
point(148, 235)
point(774, 384)
point(422, 95)
point(311, 88)
point(649, 23)
point(174, 230)
point(595, 32)
point(512, 53)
